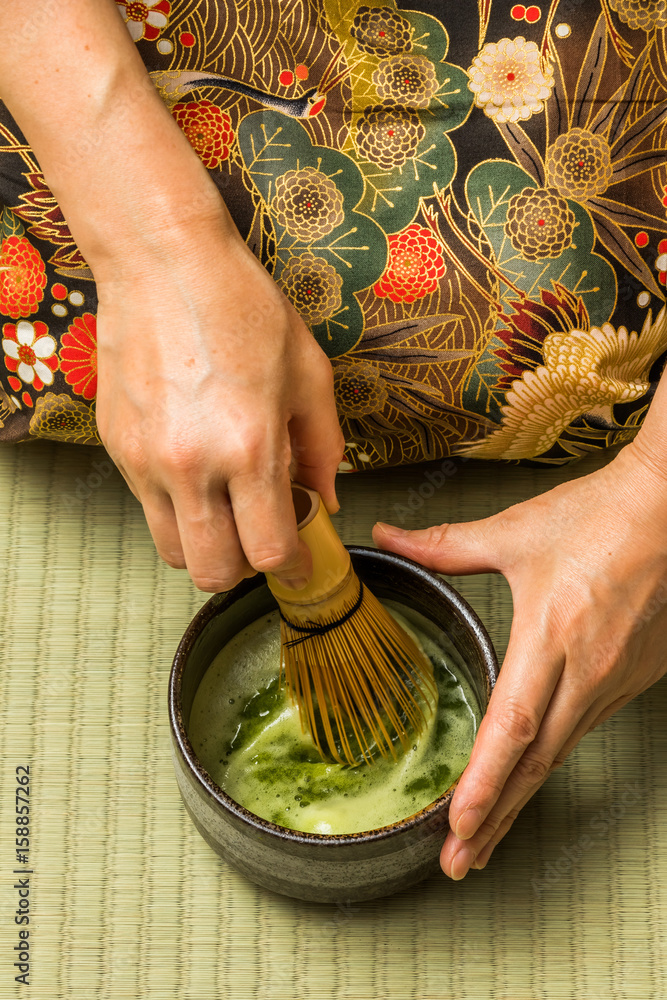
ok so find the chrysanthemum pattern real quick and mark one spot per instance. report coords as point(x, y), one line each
point(582, 371)
point(359, 389)
point(78, 356)
point(539, 223)
point(388, 135)
point(22, 277)
point(381, 31)
point(578, 163)
point(58, 417)
point(508, 81)
point(307, 204)
point(208, 130)
point(409, 80)
point(447, 280)
point(313, 287)
point(415, 267)
point(645, 15)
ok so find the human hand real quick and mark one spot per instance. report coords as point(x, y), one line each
point(211, 389)
point(587, 566)
point(209, 384)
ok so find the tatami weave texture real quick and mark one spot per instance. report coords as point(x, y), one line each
point(128, 901)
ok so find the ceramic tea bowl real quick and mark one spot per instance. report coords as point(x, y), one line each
point(335, 867)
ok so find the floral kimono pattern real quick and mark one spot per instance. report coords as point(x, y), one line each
point(466, 203)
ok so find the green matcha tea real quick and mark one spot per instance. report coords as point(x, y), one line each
point(248, 736)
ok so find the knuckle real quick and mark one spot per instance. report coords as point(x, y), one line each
point(174, 459)
point(247, 449)
point(272, 560)
point(438, 534)
point(511, 816)
point(487, 829)
point(129, 452)
point(241, 455)
point(211, 533)
point(532, 769)
point(275, 466)
point(489, 793)
point(505, 825)
point(518, 724)
point(220, 575)
point(214, 584)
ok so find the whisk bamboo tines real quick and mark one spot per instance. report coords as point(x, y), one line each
point(360, 681)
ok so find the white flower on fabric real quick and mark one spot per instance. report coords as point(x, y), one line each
point(30, 350)
point(145, 18)
point(583, 372)
point(507, 80)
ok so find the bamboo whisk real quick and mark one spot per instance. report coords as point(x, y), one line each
point(359, 680)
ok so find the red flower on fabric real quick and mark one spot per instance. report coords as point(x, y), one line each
point(415, 265)
point(78, 355)
point(145, 18)
point(22, 277)
point(208, 130)
point(30, 352)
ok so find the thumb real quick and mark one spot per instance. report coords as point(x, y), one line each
point(468, 547)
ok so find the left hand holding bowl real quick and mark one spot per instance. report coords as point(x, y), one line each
point(587, 567)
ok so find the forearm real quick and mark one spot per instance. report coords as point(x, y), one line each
point(77, 88)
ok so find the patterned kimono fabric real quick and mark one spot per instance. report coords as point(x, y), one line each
point(467, 205)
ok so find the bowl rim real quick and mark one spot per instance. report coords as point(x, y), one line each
point(216, 605)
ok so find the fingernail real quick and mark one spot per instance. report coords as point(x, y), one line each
point(468, 824)
point(333, 505)
point(484, 857)
point(298, 583)
point(390, 529)
point(461, 863)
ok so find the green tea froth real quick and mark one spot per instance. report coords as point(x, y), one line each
point(248, 736)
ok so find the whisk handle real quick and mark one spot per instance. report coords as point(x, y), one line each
point(331, 560)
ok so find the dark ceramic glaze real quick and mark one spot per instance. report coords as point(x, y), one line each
point(324, 868)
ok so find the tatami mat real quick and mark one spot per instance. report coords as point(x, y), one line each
point(128, 901)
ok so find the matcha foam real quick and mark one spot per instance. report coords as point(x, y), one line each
point(247, 734)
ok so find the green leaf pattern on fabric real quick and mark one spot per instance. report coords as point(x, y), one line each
point(274, 147)
point(489, 190)
point(468, 210)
